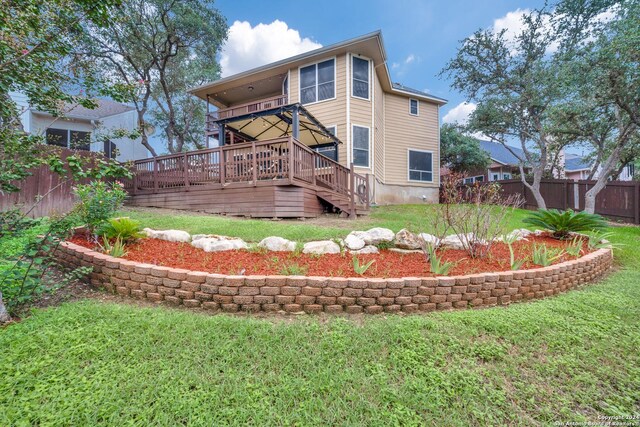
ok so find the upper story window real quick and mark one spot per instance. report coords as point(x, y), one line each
point(360, 86)
point(317, 82)
point(420, 166)
point(361, 146)
point(76, 140)
point(413, 107)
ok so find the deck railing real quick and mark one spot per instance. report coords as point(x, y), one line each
point(248, 164)
point(247, 108)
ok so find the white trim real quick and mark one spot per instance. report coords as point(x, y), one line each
point(384, 136)
point(369, 67)
point(288, 78)
point(372, 77)
point(348, 120)
point(438, 145)
point(368, 166)
point(432, 171)
point(335, 80)
point(417, 107)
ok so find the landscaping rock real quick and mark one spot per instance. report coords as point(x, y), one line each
point(168, 235)
point(369, 249)
point(277, 244)
point(213, 243)
point(405, 251)
point(378, 235)
point(454, 242)
point(519, 234)
point(321, 247)
point(405, 239)
point(354, 242)
point(430, 239)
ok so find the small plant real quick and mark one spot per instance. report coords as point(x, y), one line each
point(115, 249)
point(293, 269)
point(384, 245)
point(436, 265)
point(562, 223)
point(599, 240)
point(545, 256)
point(125, 229)
point(97, 202)
point(575, 247)
point(515, 264)
point(360, 269)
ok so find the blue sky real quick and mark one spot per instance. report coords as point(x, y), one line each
point(420, 36)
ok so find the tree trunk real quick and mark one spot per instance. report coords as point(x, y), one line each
point(144, 139)
point(534, 187)
point(601, 182)
point(4, 315)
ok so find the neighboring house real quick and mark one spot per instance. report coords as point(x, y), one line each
point(578, 168)
point(504, 164)
point(80, 128)
point(357, 114)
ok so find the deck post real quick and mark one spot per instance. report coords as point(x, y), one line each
point(636, 202)
point(155, 175)
point(352, 184)
point(222, 164)
point(290, 147)
point(221, 134)
point(254, 163)
point(368, 191)
point(134, 180)
point(185, 169)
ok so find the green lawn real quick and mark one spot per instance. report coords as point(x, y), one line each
point(569, 358)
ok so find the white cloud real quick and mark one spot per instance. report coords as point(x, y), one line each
point(402, 67)
point(411, 58)
point(248, 47)
point(460, 113)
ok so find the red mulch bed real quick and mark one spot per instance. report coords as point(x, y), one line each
point(387, 263)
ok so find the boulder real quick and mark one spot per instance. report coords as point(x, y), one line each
point(213, 243)
point(168, 235)
point(429, 239)
point(405, 251)
point(369, 249)
point(321, 247)
point(459, 242)
point(378, 235)
point(354, 242)
point(277, 244)
point(519, 234)
point(405, 239)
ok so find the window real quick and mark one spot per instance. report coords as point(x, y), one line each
point(73, 139)
point(495, 177)
point(59, 137)
point(468, 180)
point(361, 146)
point(328, 150)
point(506, 176)
point(360, 86)
point(479, 178)
point(317, 82)
point(413, 107)
point(420, 166)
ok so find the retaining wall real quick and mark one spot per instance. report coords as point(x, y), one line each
point(330, 294)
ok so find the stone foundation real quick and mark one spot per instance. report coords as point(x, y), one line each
point(330, 294)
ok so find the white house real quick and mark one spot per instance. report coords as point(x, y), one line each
point(86, 129)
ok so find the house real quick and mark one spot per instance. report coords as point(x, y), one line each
point(504, 163)
point(86, 129)
point(323, 130)
point(578, 168)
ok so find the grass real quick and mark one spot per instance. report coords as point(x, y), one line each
point(569, 358)
point(412, 217)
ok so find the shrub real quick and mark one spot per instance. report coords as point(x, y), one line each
point(97, 202)
point(562, 223)
point(477, 214)
point(125, 229)
point(115, 249)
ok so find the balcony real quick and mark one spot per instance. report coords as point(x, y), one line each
point(249, 107)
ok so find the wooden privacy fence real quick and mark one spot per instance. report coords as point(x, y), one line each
point(44, 193)
point(619, 200)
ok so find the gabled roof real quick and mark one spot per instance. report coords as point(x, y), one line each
point(369, 45)
point(500, 154)
point(105, 108)
point(577, 163)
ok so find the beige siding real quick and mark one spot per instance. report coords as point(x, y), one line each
point(330, 112)
point(403, 132)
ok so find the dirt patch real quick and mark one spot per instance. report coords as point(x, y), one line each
point(386, 264)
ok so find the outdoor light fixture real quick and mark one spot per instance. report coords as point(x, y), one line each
point(250, 88)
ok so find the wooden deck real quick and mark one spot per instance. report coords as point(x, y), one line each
point(280, 178)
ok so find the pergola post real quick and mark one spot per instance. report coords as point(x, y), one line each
point(295, 125)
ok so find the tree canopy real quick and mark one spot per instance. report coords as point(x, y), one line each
point(460, 152)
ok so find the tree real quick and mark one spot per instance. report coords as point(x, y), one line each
point(513, 83)
point(460, 152)
point(165, 46)
point(602, 86)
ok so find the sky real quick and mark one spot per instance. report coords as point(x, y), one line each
point(420, 36)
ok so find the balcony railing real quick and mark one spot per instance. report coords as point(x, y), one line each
point(248, 108)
